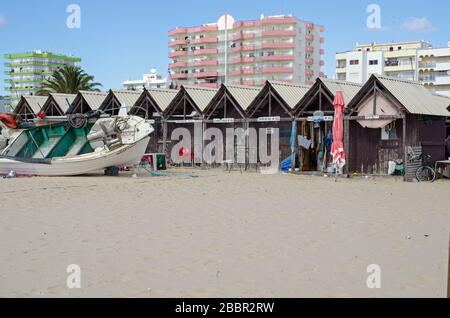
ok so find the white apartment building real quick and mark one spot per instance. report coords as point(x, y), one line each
point(398, 60)
point(434, 69)
point(150, 80)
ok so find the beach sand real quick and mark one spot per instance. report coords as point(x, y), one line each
point(214, 234)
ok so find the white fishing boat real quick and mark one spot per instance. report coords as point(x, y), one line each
point(64, 150)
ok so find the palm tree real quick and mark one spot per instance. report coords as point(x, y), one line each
point(69, 80)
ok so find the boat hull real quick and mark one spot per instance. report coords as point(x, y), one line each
point(79, 165)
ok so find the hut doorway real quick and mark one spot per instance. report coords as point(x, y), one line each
point(314, 140)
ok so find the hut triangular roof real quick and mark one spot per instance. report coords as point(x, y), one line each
point(412, 95)
point(162, 97)
point(94, 99)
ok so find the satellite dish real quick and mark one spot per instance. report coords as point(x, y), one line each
point(225, 22)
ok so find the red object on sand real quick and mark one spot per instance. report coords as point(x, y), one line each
point(337, 148)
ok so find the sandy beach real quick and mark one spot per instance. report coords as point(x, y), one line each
point(214, 234)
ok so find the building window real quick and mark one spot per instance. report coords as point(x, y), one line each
point(373, 62)
point(391, 49)
point(354, 62)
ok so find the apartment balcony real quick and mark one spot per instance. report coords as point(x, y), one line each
point(177, 65)
point(309, 61)
point(246, 83)
point(180, 76)
point(322, 40)
point(322, 52)
point(278, 58)
point(309, 37)
point(177, 54)
point(207, 85)
point(442, 80)
point(427, 65)
point(246, 24)
point(243, 72)
point(243, 60)
point(321, 29)
point(322, 63)
point(206, 52)
point(310, 26)
point(276, 20)
point(206, 63)
point(322, 75)
point(203, 28)
point(244, 48)
point(177, 31)
point(206, 74)
point(309, 73)
point(278, 33)
point(278, 45)
point(205, 40)
point(271, 70)
point(177, 43)
point(309, 49)
point(246, 36)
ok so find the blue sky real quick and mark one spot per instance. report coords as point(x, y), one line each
point(119, 40)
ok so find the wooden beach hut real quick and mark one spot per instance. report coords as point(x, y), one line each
point(186, 111)
point(58, 104)
point(227, 110)
point(151, 105)
point(389, 117)
point(271, 109)
point(119, 99)
point(86, 101)
point(29, 106)
point(314, 115)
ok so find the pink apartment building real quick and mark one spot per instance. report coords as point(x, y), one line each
point(278, 48)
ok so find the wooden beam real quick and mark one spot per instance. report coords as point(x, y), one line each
point(404, 148)
point(378, 117)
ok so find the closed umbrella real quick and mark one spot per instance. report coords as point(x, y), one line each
point(337, 148)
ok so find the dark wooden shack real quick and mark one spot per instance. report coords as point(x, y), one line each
point(387, 118)
point(273, 109)
point(119, 100)
point(86, 101)
point(58, 104)
point(227, 111)
point(151, 105)
point(29, 106)
point(186, 111)
point(314, 115)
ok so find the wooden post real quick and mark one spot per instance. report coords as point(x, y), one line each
point(404, 148)
point(293, 146)
point(347, 144)
point(164, 123)
point(448, 277)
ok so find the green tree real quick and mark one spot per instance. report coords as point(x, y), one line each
point(69, 80)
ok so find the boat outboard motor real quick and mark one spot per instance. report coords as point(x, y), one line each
point(103, 134)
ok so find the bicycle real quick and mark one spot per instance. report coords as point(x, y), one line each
point(426, 172)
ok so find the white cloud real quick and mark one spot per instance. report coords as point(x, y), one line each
point(419, 25)
point(3, 20)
